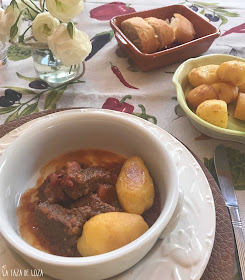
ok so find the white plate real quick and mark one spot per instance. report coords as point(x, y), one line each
point(183, 254)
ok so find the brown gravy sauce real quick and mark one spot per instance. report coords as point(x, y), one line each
point(28, 227)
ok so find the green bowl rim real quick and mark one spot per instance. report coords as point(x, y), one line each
point(188, 111)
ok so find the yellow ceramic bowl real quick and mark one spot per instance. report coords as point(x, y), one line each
point(235, 130)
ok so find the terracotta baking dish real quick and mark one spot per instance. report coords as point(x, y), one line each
point(206, 33)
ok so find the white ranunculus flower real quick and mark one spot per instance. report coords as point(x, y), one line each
point(30, 6)
point(69, 51)
point(43, 26)
point(8, 19)
point(64, 10)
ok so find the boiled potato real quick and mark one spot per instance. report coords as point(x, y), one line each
point(109, 231)
point(232, 72)
point(214, 112)
point(199, 94)
point(239, 112)
point(226, 92)
point(135, 189)
point(204, 75)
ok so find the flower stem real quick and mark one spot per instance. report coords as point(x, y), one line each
point(43, 6)
point(35, 5)
point(26, 30)
point(78, 77)
point(36, 11)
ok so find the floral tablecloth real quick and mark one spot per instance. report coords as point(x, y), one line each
point(151, 95)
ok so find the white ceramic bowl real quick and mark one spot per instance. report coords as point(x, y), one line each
point(80, 129)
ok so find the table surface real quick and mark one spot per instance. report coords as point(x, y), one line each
point(155, 89)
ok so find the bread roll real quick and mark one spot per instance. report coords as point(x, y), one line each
point(242, 87)
point(164, 32)
point(141, 34)
point(183, 28)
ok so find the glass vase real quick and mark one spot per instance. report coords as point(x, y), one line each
point(52, 70)
point(3, 54)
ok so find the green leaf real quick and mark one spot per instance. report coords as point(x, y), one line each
point(209, 163)
point(224, 20)
point(12, 117)
point(179, 111)
point(13, 31)
point(237, 165)
point(111, 32)
point(21, 38)
point(71, 29)
point(29, 109)
point(7, 109)
point(225, 13)
point(18, 53)
point(14, 3)
point(203, 12)
point(53, 97)
point(21, 90)
point(29, 79)
point(205, 3)
point(237, 276)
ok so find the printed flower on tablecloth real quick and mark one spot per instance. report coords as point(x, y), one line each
point(115, 104)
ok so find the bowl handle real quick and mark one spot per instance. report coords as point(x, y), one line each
point(175, 218)
point(121, 39)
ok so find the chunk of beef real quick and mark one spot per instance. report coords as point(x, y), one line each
point(107, 193)
point(72, 182)
point(95, 203)
point(51, 190)
point(62, 227)
point(114, 169)
point(85, 181)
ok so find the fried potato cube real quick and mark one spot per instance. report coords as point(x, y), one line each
point(239, 112)
point(204, 75)
point(135, 189)
point(226, 92)
point(232, 72)
point(109, 231)
point(214, 112)
point(199, 94)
